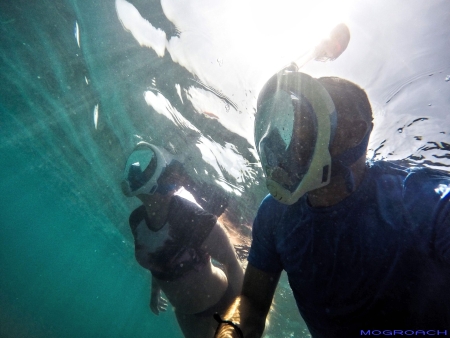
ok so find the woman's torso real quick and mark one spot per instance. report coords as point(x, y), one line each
point(174, 255)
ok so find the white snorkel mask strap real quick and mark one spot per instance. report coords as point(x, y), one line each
point(298, 97)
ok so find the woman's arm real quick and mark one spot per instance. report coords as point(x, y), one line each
point(218, 245)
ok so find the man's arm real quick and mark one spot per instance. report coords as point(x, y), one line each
point(218, 245)
point(250, 309)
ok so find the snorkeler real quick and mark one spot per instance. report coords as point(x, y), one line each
point(366, 246)
point(175, 239)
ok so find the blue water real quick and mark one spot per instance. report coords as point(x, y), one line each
point(66, 254)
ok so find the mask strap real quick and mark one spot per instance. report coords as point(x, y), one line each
point(333, 124)
point(349, 157)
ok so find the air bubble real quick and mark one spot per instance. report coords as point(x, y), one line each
point(447, 78)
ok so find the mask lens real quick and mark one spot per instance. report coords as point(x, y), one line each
point(140, 167)
point(286, 134)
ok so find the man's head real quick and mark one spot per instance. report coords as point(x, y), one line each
point(354, 113)
point(303, 125)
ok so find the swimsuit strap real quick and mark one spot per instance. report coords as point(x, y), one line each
point(349, 157)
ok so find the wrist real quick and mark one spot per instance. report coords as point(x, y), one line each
point(230, 323)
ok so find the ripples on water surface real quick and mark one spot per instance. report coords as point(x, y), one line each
point(83, 81)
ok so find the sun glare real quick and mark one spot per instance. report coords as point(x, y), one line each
point(285, 31)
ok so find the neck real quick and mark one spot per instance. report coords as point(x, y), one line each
point(336, 190)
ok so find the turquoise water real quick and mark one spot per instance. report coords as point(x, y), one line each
point(66, 255)
point(72, 105)
point(67, 271)
point(66, 259)
point(61, 275)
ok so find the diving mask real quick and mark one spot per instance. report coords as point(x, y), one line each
point(294, 125)
point(144, 167)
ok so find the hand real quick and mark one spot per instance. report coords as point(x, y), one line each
point(226, 331)
point(223, 331)
point(158, 304)
point(331, 48)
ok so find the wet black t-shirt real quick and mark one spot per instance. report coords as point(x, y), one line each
point(175, 249)
point(378, 260)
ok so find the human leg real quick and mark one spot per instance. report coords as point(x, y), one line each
point(202, 324)
point(194, 326)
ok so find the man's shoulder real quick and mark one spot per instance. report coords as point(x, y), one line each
point(270, 207)
point(387, 168)
point(270, 201)
point(421, 188)
point(401, 168)
point(426, 186)
point(418, 178)
point(425, 174)
point(271, 215)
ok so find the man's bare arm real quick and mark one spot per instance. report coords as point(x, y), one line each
point(250, 309)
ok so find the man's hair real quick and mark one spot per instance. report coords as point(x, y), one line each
point(350, 100)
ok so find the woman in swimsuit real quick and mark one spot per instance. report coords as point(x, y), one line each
point(175, 239)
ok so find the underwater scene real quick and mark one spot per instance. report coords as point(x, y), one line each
point(82, 82)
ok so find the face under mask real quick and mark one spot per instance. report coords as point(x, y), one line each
point(144, 167)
